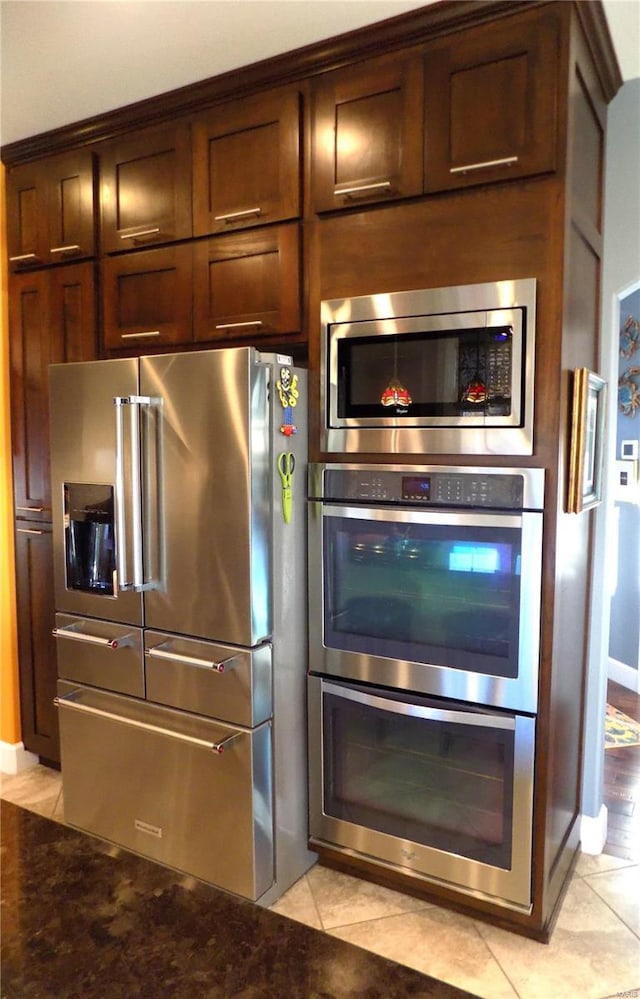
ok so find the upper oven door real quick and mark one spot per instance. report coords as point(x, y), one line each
point(444, 603)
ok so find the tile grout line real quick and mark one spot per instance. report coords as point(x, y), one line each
point(616, 914)
point(496, 959)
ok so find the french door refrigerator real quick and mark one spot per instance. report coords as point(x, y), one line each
point(178, 494)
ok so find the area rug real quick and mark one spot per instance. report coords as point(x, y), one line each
point(620, 730)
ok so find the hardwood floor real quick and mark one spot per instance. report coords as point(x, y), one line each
point(622, 784)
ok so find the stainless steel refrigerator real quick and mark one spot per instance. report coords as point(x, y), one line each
point(180, 579)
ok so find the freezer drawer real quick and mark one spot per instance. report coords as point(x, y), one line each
point(100, 653)
point(185, 791)
point(219, 681)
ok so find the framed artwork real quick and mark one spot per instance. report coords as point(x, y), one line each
point(586, 441)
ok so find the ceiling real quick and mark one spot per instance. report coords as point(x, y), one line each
point(65, 60)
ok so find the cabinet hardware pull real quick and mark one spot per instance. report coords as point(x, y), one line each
point(159, 652)
point(231, 326)
point(383, 185)
point(81, 636)
point(31, 509)
point(507, 161)
point(23, 257)
point(231, 216)
point(65, 249)
point(214, 747)
point(27, 530)
point(133, 336)
point(136, 235)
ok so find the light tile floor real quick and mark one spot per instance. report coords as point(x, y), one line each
point(594, 952)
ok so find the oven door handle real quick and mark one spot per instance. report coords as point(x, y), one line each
point(452, 517)
point(476, 717)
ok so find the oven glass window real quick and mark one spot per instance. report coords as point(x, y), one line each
point(459, 373)
point(441, 784)
point(447, 595)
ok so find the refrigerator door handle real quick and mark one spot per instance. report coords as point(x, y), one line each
point(137, 581)
point(160, 652)
point(81, 636)
point(214, 747)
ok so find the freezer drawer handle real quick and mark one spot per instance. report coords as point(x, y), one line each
point(81, 636)
point(159, 652)
point(214, 747)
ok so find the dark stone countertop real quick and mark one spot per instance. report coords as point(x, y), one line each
point(84, 920)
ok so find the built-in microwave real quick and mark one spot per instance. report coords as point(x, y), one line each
point(436, 371)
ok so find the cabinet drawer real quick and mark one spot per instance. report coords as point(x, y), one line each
point(246, 163)
point(247, 285)
point(100, 653)
point(147, 298)
point(190, 793)
point(219, 681)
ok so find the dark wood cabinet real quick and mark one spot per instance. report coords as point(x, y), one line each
point(147, 297)
point(145, 188)
point(51, 210)
point(37, 653)
point(490, 103)
point(246, 163)
point(248, 285)
point(367, 134)
point(51, 319)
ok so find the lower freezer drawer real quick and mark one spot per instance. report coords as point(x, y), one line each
point(185, 791)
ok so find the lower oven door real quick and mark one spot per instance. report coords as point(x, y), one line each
point(438, 790)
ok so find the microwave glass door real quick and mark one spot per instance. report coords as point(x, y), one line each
point(459, 374)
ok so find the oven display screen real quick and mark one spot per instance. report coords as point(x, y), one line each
point(416, 487)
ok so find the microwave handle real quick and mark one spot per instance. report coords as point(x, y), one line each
point(481, 719)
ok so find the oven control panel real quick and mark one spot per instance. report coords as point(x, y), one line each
point(439, 486)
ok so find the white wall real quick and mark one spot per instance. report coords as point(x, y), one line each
point(621, 271)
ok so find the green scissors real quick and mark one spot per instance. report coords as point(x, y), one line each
point(286, 467)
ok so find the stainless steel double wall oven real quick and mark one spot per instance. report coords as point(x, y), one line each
point(425, 591)
point(424, 652)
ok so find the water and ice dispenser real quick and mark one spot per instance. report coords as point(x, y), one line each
point(90, 559)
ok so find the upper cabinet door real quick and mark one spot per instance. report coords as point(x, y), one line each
point(490, 107)
point(51, 210)
point(246, 163)
point(145, 188)
point(367, 134)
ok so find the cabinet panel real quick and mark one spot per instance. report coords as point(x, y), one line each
point(51, 210)
point(367, 134)
point(51, 319)
point(246, 163)
point(145, 188)
point(147, 297)
point(248, 284)
point(71, 207)
point(31, 354)
point(36, 645)
point(490, 106)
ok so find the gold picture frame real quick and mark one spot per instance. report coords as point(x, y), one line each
point(586, 441)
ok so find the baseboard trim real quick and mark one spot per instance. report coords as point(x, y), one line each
point(15, 758)
point(625, 675)
point(593, 832)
